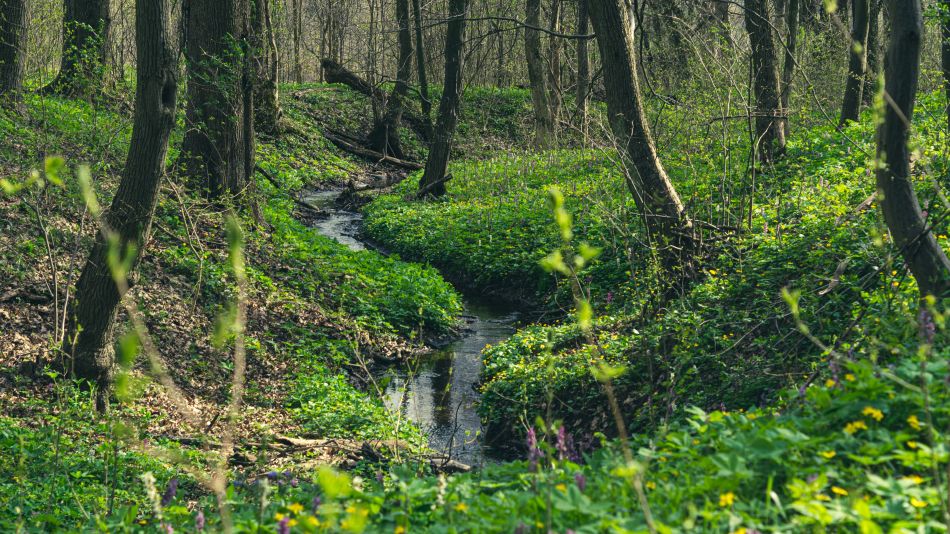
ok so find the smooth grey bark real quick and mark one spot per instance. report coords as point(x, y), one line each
point(86, 27)
point(217, 144)
point(768, 112)
point(13, 39)
point(857, 63)
point(432, 182)
point(906, 221)
point(662, 210)
point(385, 135)
point(129, 218)
point(791, 46)
point(543, 121)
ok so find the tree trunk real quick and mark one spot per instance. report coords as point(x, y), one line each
point(583, 64)
point(267, 110)
point(128, 220)
point(385, 135)
point(297, 31)
point(788, 72)
point(945, 55)
point(857, 63)
point(86, 26)
point(874, 52)
point(907, 223)
point(434, 177)
point(421, 68)
point(664, 215)
point(13, 39)
point(543, 121)
point(554, 62)
point(216, 144)
point(769, 116)
point(720, 14)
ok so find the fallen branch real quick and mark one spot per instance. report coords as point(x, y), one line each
point(371, 154)
point(425, 190)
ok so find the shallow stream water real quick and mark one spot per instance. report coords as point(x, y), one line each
point(437, 393)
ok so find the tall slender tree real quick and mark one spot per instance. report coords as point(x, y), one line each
point(791, 46)
point(126, 225)
point(543, 121)
point(906, 221)
point(384, 137)
point(945, 53)
point(662, 210)
point(267, 112)
point(13, 22)
point(434, 176)
point(86, 27)
point(218, 144)
point(421, 66)
point(768, 112)
point(857, 62)
point(874, 52)
point(583, 64)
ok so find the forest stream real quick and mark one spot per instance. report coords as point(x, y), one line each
point(438, 394)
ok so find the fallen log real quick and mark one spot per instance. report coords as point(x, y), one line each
point(425, 190)
point(334, 72)
point(371, 154)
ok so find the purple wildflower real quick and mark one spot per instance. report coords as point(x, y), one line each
point(927, 328)
point(565, 445)
point(534, 452)
point(271, 475)
point(284, 526)
point(170, 492)
point(315, 504)
point(379, 477)
point(294, 482)
point(580, 480)
point(610, 297)
point(200, 520)
point(167, 528)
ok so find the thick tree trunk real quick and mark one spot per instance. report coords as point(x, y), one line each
point(267, 110)
point(791, 45)
point(543, 121)
point(664, 214)
point(385, 135)
point(86, 26)
point(583, 64)
point(769, 115)
point(13, 38)
point(434, 177)
point(908, 225)
point(129, 219)
point(554, 62)
point(215, 148)
point(874, 52)
point(857, 63)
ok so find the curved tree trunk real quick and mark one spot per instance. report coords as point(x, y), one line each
point(86, 26)
point(769, 116)
point(434, 177)
point(907, 224)
point(543, 121)
point(13, 23)
point(857, 63)
point(385, 135)
point(663, 212)
point(129, 218)
point(216, 145)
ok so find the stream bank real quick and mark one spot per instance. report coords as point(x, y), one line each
point(438, 393)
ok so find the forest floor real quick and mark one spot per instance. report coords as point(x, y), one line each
point(739, 422)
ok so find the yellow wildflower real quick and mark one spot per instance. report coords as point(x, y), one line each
point(913, 422)
point(828, 454)
point(740, 530)
point(917, 503)
point(292, 523)
point(295, 508)
point(311, 521)
point(829, 383)
point(822, 497)
point(651, 485)
point(913, 479)
point(279, 516)
point(561, 487)
point(839, 491)
point(854, 426)
point(873, 412)
point(399, 530)
point(726, 499)
point(849, 377)
point(461, 507)
point(912, 444)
